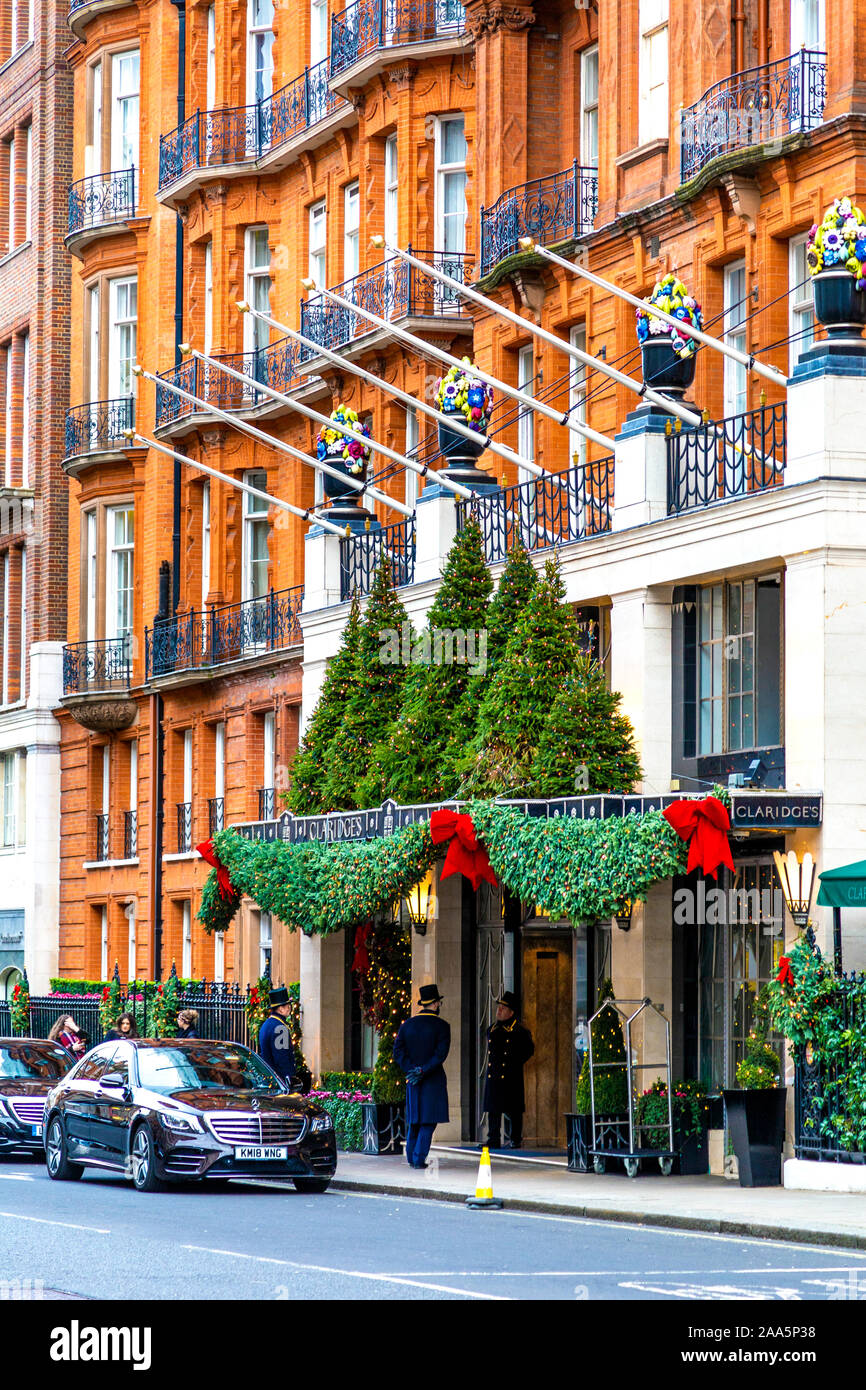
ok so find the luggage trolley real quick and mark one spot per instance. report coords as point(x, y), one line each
point(610, 1132)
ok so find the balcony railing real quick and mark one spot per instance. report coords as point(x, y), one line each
point(369, 25)
point(98, 426)
point(101, 199)
point(748, 456)
point(221, 635)
point(93, 667)
point(360, 556)
point(267, 802)
point(544, 512)
point(130, 834)
point(216, 814)
point(548, 210)
point(102, 839)
point(274, 366)
point(243, 134)
point(393, 290)
point(184, 827)
point(754, 108)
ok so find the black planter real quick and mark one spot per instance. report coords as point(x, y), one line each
point(384, 1128)
point(578, 1132)
point(756, 1120)
point(460, 455)
point(840, 306)
point(341, 496)
point(693, 1154)
point(663, 370)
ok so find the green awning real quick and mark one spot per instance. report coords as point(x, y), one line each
point(843, 887)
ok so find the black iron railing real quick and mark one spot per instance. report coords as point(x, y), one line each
point(242, 134)
point(216, 636)
point(548, 210)
point(393, 290)
point(130, 834)
point(184, 827)
point(274, 366)
point(267, 802)
point(360, 555)
point(101, 199)
point(216, 814)
point(823, 1118)
point(754, 108)
point(545, 511)
point(102, 839)
point(741, 454)
point(98, 425)
point(89, 667)
point(369, 25)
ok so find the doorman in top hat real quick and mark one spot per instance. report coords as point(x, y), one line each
point(509, 1048)
point(420, 1048)
point(275, 1038)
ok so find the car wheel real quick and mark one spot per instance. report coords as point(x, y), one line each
point(312, 1184)
point(143, 1157)
point(59, 1167)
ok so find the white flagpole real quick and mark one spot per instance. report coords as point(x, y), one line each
point(268, 497)
point(428, 350)
point(594, 363)
point(411, 464)
point(744, 358)
point(272, 442)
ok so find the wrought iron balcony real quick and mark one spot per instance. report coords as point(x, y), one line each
point(748, 456)
point(100, 200)
point(216, 814)
point(370, 25)
point(90, 668)
point(102, 839)
point(244, 134)
point(79, 11)
point(98, 426)
point(274, 366)
point(184, 827)
point(393, 290)
point(130, 834)
point(544, 512)
point(217, 636)
point(267, 803)
point(754, 108)
point(551, 209)
point(360, 555)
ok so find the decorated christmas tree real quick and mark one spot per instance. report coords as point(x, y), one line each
point(306, 796)
point(609, 1079)
point(373, 696)
point(413, 762)
point(587, 744)
point(383, 973)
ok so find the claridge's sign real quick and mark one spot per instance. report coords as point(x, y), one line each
point(775, 811)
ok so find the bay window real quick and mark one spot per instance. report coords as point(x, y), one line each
point(119, 567)
point(124, 110)
point(123, 309)
point(107, 577)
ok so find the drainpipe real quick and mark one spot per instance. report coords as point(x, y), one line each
point(763, 32)
point(180, 6)
point(739, 22)
point(157, 763)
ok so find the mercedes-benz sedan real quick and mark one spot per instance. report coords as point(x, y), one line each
point(171, 1111)
point(29, 1067)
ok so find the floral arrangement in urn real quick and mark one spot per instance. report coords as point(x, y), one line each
point(671, 296)
point(840, 240)
point(333, 445)
point(461, 392)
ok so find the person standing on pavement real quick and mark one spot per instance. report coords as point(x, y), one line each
point(187, 1023)
point(420, 1048)
point(275, 1038)
point(509, 1048)
point(65, 1031)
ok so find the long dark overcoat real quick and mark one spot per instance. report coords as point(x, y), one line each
point(423, 1042)
point(509, 1046)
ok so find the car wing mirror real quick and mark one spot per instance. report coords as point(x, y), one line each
point(113, 1082)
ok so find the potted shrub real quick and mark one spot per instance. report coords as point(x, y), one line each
point(690, 1122)
point(668, 357)
point(468, 398)
point(611, 1091)
point(348, 455)
point(836, 257)
point(756, 1114)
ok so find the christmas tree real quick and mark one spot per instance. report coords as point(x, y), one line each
point(306, 796)
point(609, 1078)
point(374, 693)
point(412, 763)
point(587, 744)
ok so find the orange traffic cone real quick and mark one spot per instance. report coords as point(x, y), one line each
point(484, 1186)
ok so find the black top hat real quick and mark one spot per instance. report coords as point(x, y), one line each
point(429, 994)
point(278, 997)
point(509, 1000)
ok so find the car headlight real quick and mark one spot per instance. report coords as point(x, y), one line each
point(320, 1123)
point(181, 1124)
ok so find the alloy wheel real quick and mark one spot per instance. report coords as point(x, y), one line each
point(140, 1158)
point(54, 1147)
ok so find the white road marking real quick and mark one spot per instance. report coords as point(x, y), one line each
point(618, 1273)
point(43, 1221)
point(716, 1292)
point(16, 1177)
point(348, 1273)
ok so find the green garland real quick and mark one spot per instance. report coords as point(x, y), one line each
point(19, 1011)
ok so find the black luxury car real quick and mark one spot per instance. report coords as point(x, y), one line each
point(172, 1110)
point(29, 1068)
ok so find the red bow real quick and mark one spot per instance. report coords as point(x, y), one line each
point(361, 962)
point(208, 853)
point(785, 975)
point(705, 825)
point(465, 855)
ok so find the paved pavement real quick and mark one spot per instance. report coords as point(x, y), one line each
point(100, 1239)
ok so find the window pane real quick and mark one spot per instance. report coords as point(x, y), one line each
point(453, 141)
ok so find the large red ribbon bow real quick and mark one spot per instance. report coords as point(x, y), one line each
point(465, 855)
point(786, 974)
point(705, 824)
point(209, 854)
point(361, 961)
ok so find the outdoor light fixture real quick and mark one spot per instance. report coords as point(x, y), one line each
point(623, 917)
point(417, 904)
point(796, 879)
